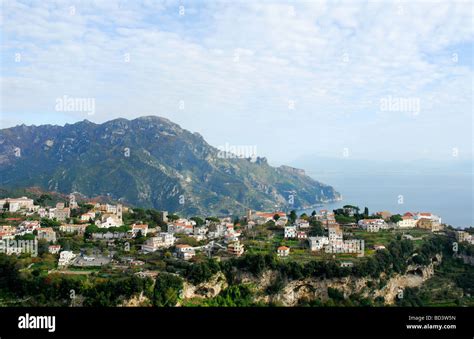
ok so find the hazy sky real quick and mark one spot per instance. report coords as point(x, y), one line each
point(366, 79)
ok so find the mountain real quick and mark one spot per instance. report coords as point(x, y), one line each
point(150, 162)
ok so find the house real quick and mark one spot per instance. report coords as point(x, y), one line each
point(251, 225)
point(379, 247)
point(349, 210)
point(347, 264)
point(185, 252)
point(335, 235)
point(181, 226)
point(27, 227)
point(88, 216)
point(269, 215)
point(46, 233)
point(73, 228)
point(163, 240)
point(353, 246)
point(109, 220)
point(301, 223)
point(54, 249)
point(372, 225)
point(43, 213)
point(283, 251)
point(15, 204)
point(317, 243)
point(290, 231)
point(301, 235)
point(427, 215)
point(408, 221)
point(7, 229)
point(200, 231)
point(429, 224)
point(65, 258)
point(60, 213)
point(463, 236)
point(235, 248)
point(143, 228)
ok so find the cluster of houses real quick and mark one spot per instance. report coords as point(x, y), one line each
point(334, 242)
point(408, 220)
point(222, 231)
point(422, 220)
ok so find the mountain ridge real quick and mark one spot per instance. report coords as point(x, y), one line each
point(150, 161)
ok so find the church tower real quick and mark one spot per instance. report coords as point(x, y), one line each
point(119, 211)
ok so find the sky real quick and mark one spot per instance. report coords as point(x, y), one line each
point(390, 80)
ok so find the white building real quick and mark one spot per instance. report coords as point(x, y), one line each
point(163, 240)
point(301, 223)
point(54, 249)
point(317, 243)
point(143, 228)
point(407, 222)
point(290, 231)
point(65, 258)
point(109, 220)
point(372, 225)
point(463, 236)
point(185, 252)
point(283, 251)
point(18, 203)
point(87, 216)
point(235, 248)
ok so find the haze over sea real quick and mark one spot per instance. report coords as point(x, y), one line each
point(442, 190)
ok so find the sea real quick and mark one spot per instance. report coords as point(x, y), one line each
point(449, 196)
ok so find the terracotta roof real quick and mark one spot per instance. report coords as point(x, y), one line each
point(283, 248)
point(142, 226)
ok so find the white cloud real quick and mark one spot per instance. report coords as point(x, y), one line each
point(236, 66)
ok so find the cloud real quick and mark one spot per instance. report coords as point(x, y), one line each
point(292, 78)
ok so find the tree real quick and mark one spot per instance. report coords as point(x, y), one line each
point(198, 221)
point(167, 290)
point(276, 217)
point(395, 218)
point(173, 217)
point(366, 211)
point(213, 219)
point(317, 228)
point(43, 247)
point(304, 216)
point(292, 216)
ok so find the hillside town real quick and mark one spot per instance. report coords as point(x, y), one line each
point(93, 234)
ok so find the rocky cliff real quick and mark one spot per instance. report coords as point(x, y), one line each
point(316, 288)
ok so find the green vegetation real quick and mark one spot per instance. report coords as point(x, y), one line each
point(167, 290)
